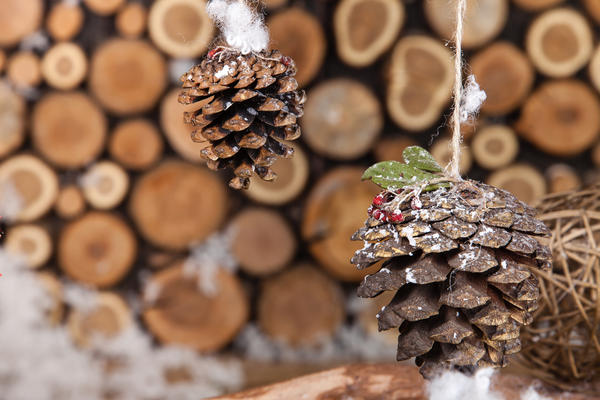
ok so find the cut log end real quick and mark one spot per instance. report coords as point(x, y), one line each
point(104, 185)
point(64, 21)
point(64, 66)
point(24, 70)
point(70, 202)
point(19, 18)
point(131, 20)
point(136, 144)
point(524, 181)
point(495, 146)
point(104, 7)
point(441, 151)
point(562, 178)
point(32, 242)
point(12, 120)
point(53, 287)
point(391, 148)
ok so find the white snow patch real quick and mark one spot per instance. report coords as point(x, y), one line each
point(11, 202)
point(532, 394)
point(410, 277)
point(35, 41)
point(452, 385)
point(223, 72)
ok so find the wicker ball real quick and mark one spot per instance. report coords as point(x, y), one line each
point(562, 346)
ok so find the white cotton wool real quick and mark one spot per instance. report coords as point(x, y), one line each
point(452, 385)
point(242, 28)
point(471, 100)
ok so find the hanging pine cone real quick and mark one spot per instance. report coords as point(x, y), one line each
point(249, 104)
point(459, 255)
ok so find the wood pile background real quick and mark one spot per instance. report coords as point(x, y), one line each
point(100, 182)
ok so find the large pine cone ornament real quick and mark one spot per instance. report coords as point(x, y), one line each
point(460, 256)
point(248, 105)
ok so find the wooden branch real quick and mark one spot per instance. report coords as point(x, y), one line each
point(522, 180)
point(136, 144)
point(180, 28)
point(30, 241)
point(19, 18)
point(12, 120)
point(300, 306)
point(105, 185)
point(182, 314)
point(299, 35)
point(32, 181)
point(561, 118)
point(292, 176)
point(441, 151)
point(342, 119)
point(537, 5)
point(97, 249)
point(70, 202)
point(127, 76)
point(54, 289)
point(505, 74)
point(559, 42)
point(131, 20)
point(177, 204)
point(391, 148)
point(365, 29)
point(64, 21)
point(263, 241)
point(64, 66)
point(562, 178)
point(420, 82)
point(24, 70)
point(495, 146)
point(335, 208)
point(484, 20)
point(104, 7)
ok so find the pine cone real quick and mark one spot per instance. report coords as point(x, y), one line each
point(460, 259)
point(249, 105)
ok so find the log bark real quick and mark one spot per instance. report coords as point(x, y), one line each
point(420, 82)
point(593, 9)
point(64, 66)
point(105, 185)
point(262, 242)
point(24, 69)
point(440, 150)
point(391, 148)
point(177, 204)
point(300, 307)
point(537, 5)
point(484, 20)
point(12, 120)
point(365, 29)
point(505, 74)
point(522, 180)
point(104, 7)
point(335, 208)
point(292, 176)
point(559, 42)
point(97, 249)
point(54, 289)
point(70, 202)
point(131, 20)
point(299, 35)
point(28, 185)
point(136, 144)
point(30, 241)
point(561, 118)
point(19, 18)
point(495, 146)
point(64, 21)
point(182, 314)
point(342, 119)
point(180, 28)
point(127, 76)
point(562, 178)
point(68, 129)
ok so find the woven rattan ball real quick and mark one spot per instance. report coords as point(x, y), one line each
point(562, 346)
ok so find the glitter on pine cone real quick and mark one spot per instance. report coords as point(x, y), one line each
point(460, 260)
point(563, 342)
point(248, 105)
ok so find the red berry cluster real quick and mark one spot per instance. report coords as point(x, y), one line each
point(376, 211)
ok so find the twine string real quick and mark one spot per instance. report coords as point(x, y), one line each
point(458, 89)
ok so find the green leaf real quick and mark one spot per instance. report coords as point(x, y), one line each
point(395, 175)
point(420, 158)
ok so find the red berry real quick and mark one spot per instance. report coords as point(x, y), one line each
point(395, 217)
point(212, 53)
point(377, 214)
point(378, 200)
point(286, 60)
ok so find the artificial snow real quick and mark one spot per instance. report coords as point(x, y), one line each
point(471, 99)
point(11, 202)
point(452, 385)
point(242, 28)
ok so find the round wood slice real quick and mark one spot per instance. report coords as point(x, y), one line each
point(183, 315)
point(301, 306)
point(292, 175)
point(64, 21)
point(335, 208)
point(32, 242)
point(484, 20)
point(24, 69)
point(180, 28)
point(104, 7)
point(263, 241)
point(272, 4)
point(64, 66)
point(97, 249)
point(522, 180)
point(70, 202)
point(367, 320)
point(593, 9)
point(441, 151)
point(342, 119)
point(536, 5)
point(504, 72)
point(495, 146)
point(594, 69)
point(561, 118)
point(178, 133)
point(68, 129)
point(136, 144)
point(420, 82)
point(19, 18)
point(562, 178)
point(127, 76)
point(29, 186)
point(131, 20)
point(109, 317)
point(177, 204)
point(53, 288)
point(12, 120)
point(365, 29)
point(299, 35)
point(105, 185)
point(559, 42)
point(391, 148)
